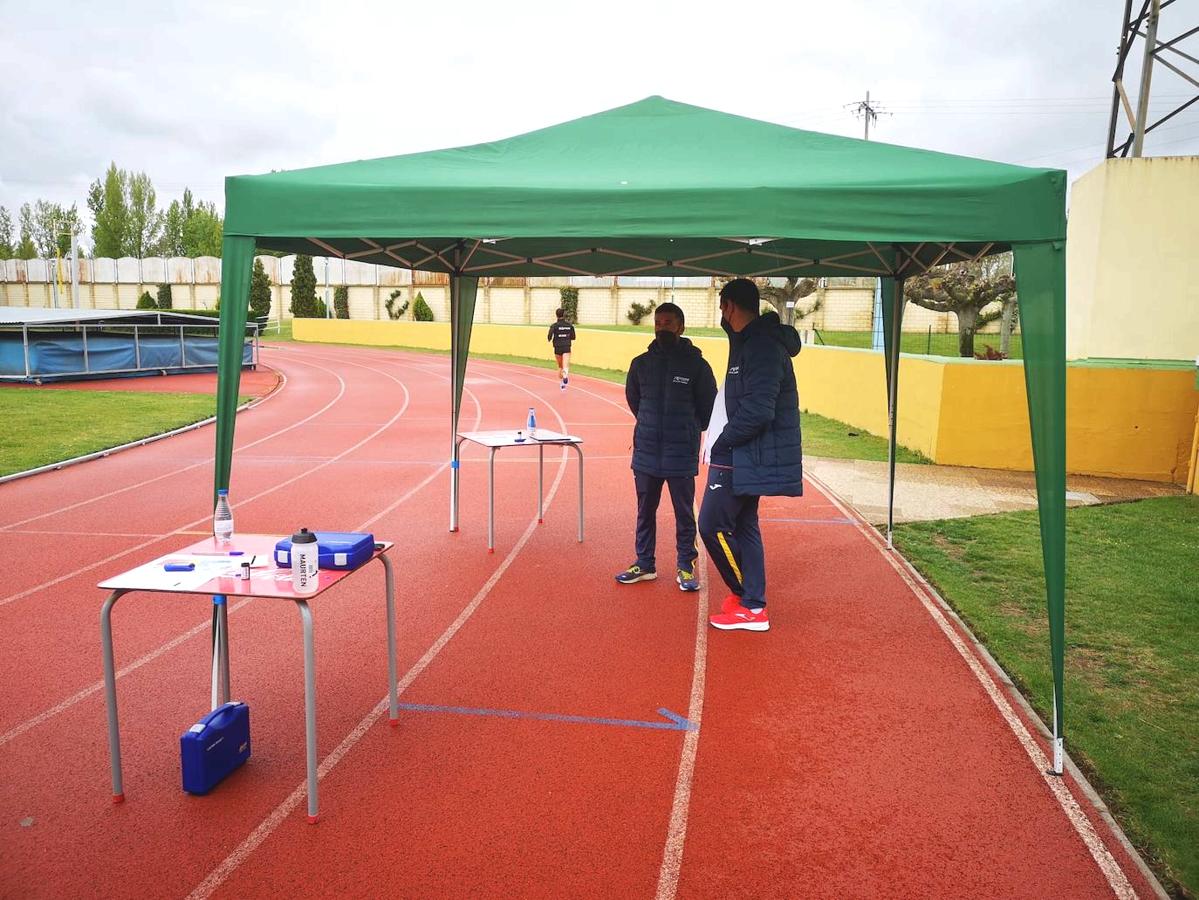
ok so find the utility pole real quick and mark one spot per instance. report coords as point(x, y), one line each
point(1141, 21)
point(867, 111)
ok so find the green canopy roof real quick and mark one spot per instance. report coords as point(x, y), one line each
point(662, 188)
point(655, 187)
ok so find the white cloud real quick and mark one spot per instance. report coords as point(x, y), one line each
point(190, 95)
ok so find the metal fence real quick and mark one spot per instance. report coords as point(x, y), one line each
point(49, 350)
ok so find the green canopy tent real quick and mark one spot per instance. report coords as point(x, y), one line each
point(664, 188)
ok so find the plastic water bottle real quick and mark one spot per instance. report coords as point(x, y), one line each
point(305, 561)
point(222, 518)
point(531, 425)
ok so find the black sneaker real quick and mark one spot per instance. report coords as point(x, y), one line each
point(635, 573)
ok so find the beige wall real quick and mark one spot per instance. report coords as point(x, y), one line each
point(1130, 422)
point(1132, 267)
point(196, 284)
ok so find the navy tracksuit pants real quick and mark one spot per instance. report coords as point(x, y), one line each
point(682, 495)
point(729, 526)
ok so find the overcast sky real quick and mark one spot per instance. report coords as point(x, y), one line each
point(190, 94)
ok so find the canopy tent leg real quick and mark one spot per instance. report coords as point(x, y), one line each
point(237, 261)
point(1041, 282)
point(463, 293)
point(892, 303)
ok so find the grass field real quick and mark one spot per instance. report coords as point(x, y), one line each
point(48, 426)
point(1132, 657)
point(920, 342)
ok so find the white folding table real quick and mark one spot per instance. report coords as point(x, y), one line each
point(219, 581)
point(493, 441)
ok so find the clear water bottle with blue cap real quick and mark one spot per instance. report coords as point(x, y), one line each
point(531, 425)
point(222, 518)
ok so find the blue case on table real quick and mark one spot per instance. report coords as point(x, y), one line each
point(214, 747)
point(335, 550)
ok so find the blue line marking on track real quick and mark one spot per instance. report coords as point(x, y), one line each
point(675, 723)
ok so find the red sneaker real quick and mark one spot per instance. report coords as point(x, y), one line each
point(741, 619)
point(730, 603)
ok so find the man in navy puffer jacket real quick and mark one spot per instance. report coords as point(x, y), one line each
point(758, 454)
point(670, 389)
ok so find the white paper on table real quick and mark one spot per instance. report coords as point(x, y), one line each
point(720, 418)
point(153, 577)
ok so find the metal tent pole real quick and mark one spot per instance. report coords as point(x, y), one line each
point(896, 332)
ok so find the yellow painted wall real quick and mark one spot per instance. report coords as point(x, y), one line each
point(1132, 263)
point(1124, 422)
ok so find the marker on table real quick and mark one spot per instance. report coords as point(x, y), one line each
point(180, 567)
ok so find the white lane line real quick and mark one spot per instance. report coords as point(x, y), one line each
point(130, 487)
point(229, 865)
point(1107, 863)
point(33, 590)
point(205, 626)
point(95, 688)
point(676, 833)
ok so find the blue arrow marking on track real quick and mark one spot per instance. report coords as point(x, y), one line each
point(675, 723)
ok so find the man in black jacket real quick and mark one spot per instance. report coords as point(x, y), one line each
point(670, 389)
point(758, 454)
point(562, 333)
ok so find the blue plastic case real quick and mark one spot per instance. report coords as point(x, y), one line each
point(214, 747)
point(335, 550)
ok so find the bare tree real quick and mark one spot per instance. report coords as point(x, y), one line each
point(970, 291)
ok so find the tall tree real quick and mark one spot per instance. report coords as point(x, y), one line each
point(303, 288)
point(202, 231)
point(260, 292)
point(172, 228)
point(109, 204)
point(792, 291)
point(969, 290)
point(191, 229)
point(7, 246)
point(49, 227)
point(145, 221)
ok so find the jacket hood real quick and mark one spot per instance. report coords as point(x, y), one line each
point(770, 324)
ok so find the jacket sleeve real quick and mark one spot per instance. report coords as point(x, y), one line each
point(704, 386)
point(632, 388)
point(572, 333)
point(550, 336)
point(762, 383)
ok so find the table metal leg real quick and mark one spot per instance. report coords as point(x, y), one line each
point(110, 696)
point(579, 450)
point(309, 709)
point(455, 469)
point(540, 482)
point(392, 675)
point(223, 625)
point(491, 502)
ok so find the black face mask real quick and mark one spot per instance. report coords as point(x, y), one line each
point(666, 338)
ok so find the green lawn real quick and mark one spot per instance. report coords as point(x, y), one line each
point(1132, 658)
point(921, 342)
point(48, 426)
point(830, 437)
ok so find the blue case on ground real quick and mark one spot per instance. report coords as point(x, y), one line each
point(335, 550)
point(214, 747)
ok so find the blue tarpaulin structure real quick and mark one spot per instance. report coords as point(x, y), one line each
point(56, 344)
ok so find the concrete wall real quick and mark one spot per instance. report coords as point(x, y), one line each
point(196, 284)
point(1132, 266)
point(1129, 422)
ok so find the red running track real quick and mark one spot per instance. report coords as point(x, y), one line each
point(859, 748)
